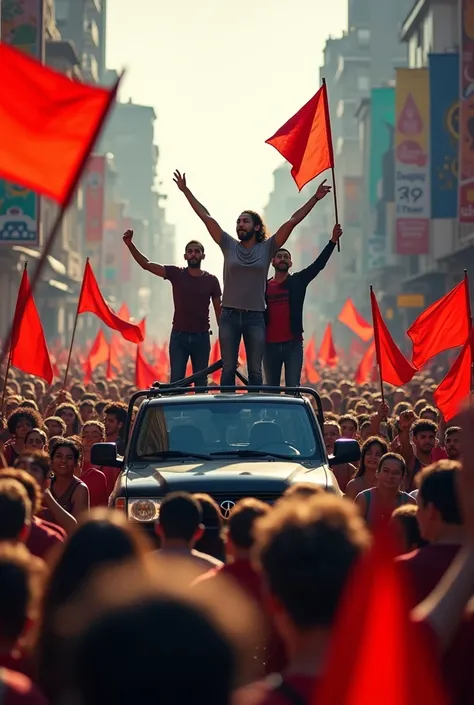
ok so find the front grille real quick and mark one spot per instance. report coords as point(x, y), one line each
point(233, 496)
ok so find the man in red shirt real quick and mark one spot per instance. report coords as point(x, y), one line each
point(193, 290)
point(285, 297)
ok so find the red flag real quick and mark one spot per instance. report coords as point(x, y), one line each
point(327, 352)
point(310, 357)
point(142, 326)
point(92, 301)
point(378, 641)
point(28, 351)
point(456, 386)
point(98, 354)
point(46, 137)
point(145, 374)
point(305, 141)
point(393, 365)
point(444, 325)
point(113, 360)
point(351, 318)
point(366, 366)
point(124, 312)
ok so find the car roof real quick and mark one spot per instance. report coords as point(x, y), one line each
point(246, 398)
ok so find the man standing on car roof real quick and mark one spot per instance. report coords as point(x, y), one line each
point(284, 314)
point(193, 290)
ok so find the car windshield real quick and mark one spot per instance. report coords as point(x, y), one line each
point(220, 429)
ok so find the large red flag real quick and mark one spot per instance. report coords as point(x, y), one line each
point(388, 658)
point(46, 136)
point(98, 354)
point(327, 352)
point(366, 366)
point(444, 325)
point(456, 386)
point(145, 374)
point(92, 301)
point(28, 351)
point(354, 320)
point(305, 141)
point(393, 365)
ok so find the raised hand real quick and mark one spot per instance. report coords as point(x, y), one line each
point(323, 190)
point(180, 180)
point(128, 237)
point(336, 233)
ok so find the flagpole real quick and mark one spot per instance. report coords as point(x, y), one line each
point(334, 191)
point(66, 374)
point(377, 351)
point(9, 359)
point(64, 206)
point(471, 342)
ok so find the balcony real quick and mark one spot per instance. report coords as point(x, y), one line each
point(91, 34)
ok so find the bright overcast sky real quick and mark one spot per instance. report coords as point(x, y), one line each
point(222, 77)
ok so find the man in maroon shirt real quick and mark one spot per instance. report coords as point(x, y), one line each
point(193, 290)
point(440, 522)
point(284, 315)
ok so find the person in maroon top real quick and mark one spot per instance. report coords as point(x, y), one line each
point(440, 522)
point(17, 586)
point(239, 568)
point(19, 424)
point(285, 297)
point(193, 290)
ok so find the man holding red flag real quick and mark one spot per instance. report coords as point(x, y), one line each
point(246, 263)
point(193, 291)
point(284, 314)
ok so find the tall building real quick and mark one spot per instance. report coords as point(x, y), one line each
point(84, 23)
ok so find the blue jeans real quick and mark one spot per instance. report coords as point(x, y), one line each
point(183, 346)
point(234, 325)
point(288, 354)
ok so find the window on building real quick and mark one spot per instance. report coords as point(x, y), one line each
point(363, 84)
point(340, 109)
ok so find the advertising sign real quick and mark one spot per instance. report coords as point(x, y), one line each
point(466, 111)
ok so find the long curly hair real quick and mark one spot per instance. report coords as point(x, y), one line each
point(261, 233)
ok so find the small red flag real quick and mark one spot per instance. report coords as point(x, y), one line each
point(351, 318)
point(327, 352)
point(145, 374)
point(305, 141)
point(387, 656)
point(393, 365)
point(92, 301)
point(46, 136)
point(366, 366)
point(98, 354)
point(443, 325)
point(28, 351)
point(456, 386)
point(124, 312)
point(310, 358)
point(113, 360)
point(142, 326)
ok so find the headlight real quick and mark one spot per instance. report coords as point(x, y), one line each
point(144, 510)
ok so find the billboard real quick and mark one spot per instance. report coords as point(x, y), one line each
point(382, 121)
point(444, 129)
point(466, 111)
point(412, 163)
point(22, 26)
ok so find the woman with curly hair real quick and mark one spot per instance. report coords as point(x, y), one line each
point(365, 478)
point(246, 264)
point(19, 424)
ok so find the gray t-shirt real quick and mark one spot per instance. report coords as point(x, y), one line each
point(246, 272)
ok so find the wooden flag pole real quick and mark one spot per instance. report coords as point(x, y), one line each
point(471, 341)
point(377, 355)
point(334, 190)
point(68, 364)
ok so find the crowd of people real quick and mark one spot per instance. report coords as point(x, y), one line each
point(244, 598)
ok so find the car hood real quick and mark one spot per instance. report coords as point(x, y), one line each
point(205, 475)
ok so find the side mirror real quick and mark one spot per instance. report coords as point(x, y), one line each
point(106, 454)
point(346, 450)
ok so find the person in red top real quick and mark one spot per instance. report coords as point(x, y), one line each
point(440, 522)
point(285, 297)
point(239, 568)
point(93, 432)
point(193, 290)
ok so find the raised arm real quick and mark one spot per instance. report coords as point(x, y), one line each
point(213, 227)
point(285, 230)
point(140, 258)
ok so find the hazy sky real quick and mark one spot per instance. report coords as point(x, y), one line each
point(222, 77)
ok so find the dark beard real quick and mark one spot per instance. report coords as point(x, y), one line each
point(194, 265)
point(246, 237)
